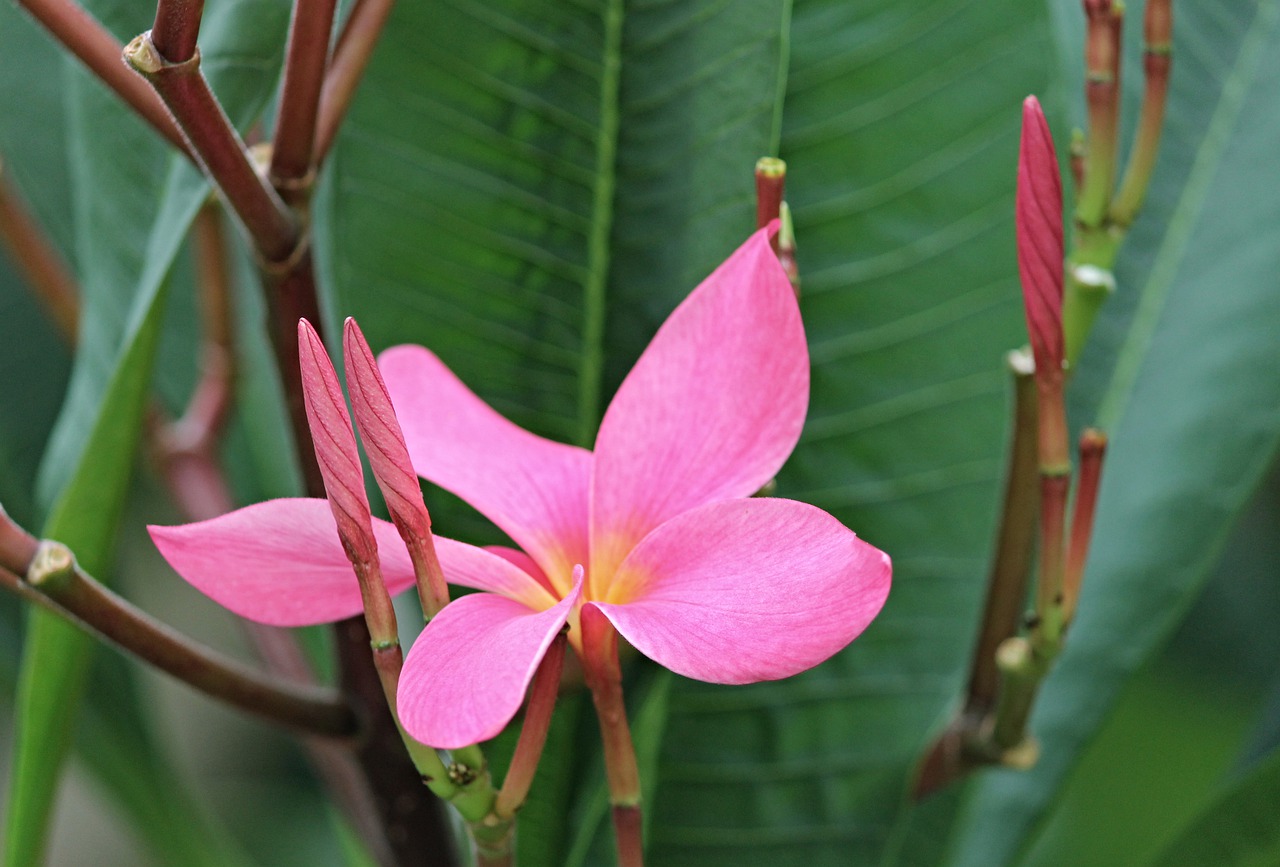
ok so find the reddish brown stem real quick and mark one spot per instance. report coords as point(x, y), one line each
point(99, 51)
point(222, 154)
point(1102, 93)
point(307, 55)
point(533, 732)
point(176, 29)
point(350, 58)
point(771, 179)
point(45, 271)
point(1093, 447)
point(950, 756)
point(56, 582)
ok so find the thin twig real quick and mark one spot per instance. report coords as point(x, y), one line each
point(350, 58)
point(293, 150)
point(176, 29)
point(55, 581)
point(46, 272)
point(98, 50)
point(183, 88)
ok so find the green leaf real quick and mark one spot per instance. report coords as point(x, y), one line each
point(1239, 828)
point(531, 196)
point(900, 133)
point(133, 204)
point(1192, 417)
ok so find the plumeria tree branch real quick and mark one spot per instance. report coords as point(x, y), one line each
point(182, 87)
point(46, 272)
point(351, 56)
point(99, 51)
point(293, 149)
point(51, 578)
point(177, 28)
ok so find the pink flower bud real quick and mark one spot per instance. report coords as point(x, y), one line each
point(1039, 230)
point(392, 468)
point(335, 447)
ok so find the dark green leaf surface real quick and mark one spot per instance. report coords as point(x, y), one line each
point(1191, 403)
point(900, 134)
point(1238, 829)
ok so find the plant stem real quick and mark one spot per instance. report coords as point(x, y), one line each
point(176, 29)
point(182, 87)
point(1093, 446)
point(54, 581)
point(292, 169)
point(771, 179)
point(604, 678)
point(355, 46)
point(952, 754)
point(99, 51)
point(44, 268)
point(533, 732)
point(1102, 93)
point(1156, 61)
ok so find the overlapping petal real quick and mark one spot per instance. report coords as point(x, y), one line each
point(468, 672)
point(746, 590)
point(279, 562)
point(710, 411)
point(532, 488)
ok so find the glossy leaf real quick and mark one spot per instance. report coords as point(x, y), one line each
point(900, 132)
point(1238, 828)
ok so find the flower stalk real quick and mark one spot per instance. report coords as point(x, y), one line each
point(604, 679)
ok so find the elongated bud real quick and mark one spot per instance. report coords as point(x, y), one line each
point(1040, 247)
point(392, 467)
point(335, 446)
point(339, 461)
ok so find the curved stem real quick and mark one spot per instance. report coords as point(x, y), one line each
point(533, 732)
point(55, 581)
point(99, 51)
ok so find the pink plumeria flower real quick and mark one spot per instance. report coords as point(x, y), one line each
point(656, 529)
point(687, 566)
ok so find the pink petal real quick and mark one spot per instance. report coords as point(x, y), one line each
point(532, 488)
point(711, 410)
point(1039, 230)
point(334, 443)
point(383, 441)
point(484, 569)
point(747, 590)
point(467, 673)
point(524, 561)
point(279, 562)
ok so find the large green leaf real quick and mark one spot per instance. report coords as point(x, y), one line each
point(1191, 403)
point(1239, 828)
point(532, 195)
point(900, 132)
point(132, 205)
